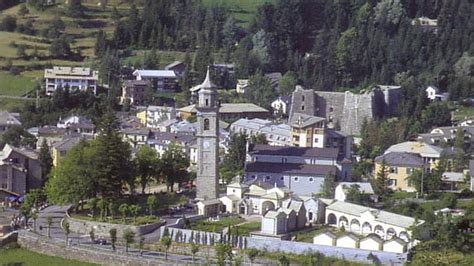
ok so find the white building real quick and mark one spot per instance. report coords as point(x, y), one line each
point(282, 105)
point(157, 114)
point(348, 241)
point(276, 134)
point(371, 242)
point(78, 124)
point(326, 238)
point(342, 188)
point(433, 93)
point(396, 245)
point(75, 78)
point(241, 86)
point(364, 220)
point(8, 120)
point(161, 80)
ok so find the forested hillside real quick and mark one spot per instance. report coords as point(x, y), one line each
point(351, 43)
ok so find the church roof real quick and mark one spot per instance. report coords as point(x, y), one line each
point(207, 83)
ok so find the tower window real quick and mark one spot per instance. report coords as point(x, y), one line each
point(302, 98)
point(206, 123)
point(207, 102)
point(302, 107)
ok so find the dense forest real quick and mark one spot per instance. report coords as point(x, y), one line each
point(352, 43)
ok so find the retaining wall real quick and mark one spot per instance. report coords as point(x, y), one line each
point(49, 247)
point(102, 229)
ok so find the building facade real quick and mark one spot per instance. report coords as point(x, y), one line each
point(74, 78)
point(160, 80)
point(133, 91)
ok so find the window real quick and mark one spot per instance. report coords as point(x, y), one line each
point(302, 108)
point(331, 109)
point(206, 124)
point(409, 171)
point(296, 179)
point(207, 102)
point(282, 178)
point(393, 182)
point(393, 170)
point(311, 180)
point(302, 98)
point(267, 177)
point(254, 177)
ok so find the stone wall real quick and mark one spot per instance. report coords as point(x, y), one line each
point(357, 108)
point(102, 229)
point(359, 255)
point(44, 246)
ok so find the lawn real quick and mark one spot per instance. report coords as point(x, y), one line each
point(247, 228)
point(15, 85)
point(243, 10)
point(13, 105)
point(463, 112)
point(217, 226)
point(24, 257)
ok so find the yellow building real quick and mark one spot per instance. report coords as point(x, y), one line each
point(399, 165)
point(142, 116)
point(430, 154)
point(307, 131)
point(60, 148)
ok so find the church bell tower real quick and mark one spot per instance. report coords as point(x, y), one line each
point(207, 140)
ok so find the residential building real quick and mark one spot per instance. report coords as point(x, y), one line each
point(133, 91)
point(177, 67)
point(276, 134)
point(77, 124)
point(301, 170)
point(136, 136)
point(426, 23)
point(160, 141)
point(400, 166)
point(20, 170)
point(74, 78)
point(364, 220)
point(7, 120)
point(241, 86)
point(451, 181)
point(340, 193)
point(59, 149)
point(161, 80)
point(433, 93)
point(447, 135)
point(51, 134)
point(230, 111)
point(431, 154)
point(184, 127)
point(282, 105)
point(158, 114)
point(312, 131)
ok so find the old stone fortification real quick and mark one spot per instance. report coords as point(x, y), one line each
point(49, 247)
point(347, 110)
point(102, 229)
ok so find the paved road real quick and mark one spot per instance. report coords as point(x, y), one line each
point(58, 213)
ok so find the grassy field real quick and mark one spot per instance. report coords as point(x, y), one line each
point(246, 229)
point(243, 10)
point(218, 226)
point(12, 85)
point(13, 105)
point(25, 258)
point(463, 112)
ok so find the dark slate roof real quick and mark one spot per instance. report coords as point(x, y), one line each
point(401, 159)
point(289, 168)
point(303, 120)
point(51, 130)
point(67, 143)
point(261, 149)
point(164, 137)
point(286, 99)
